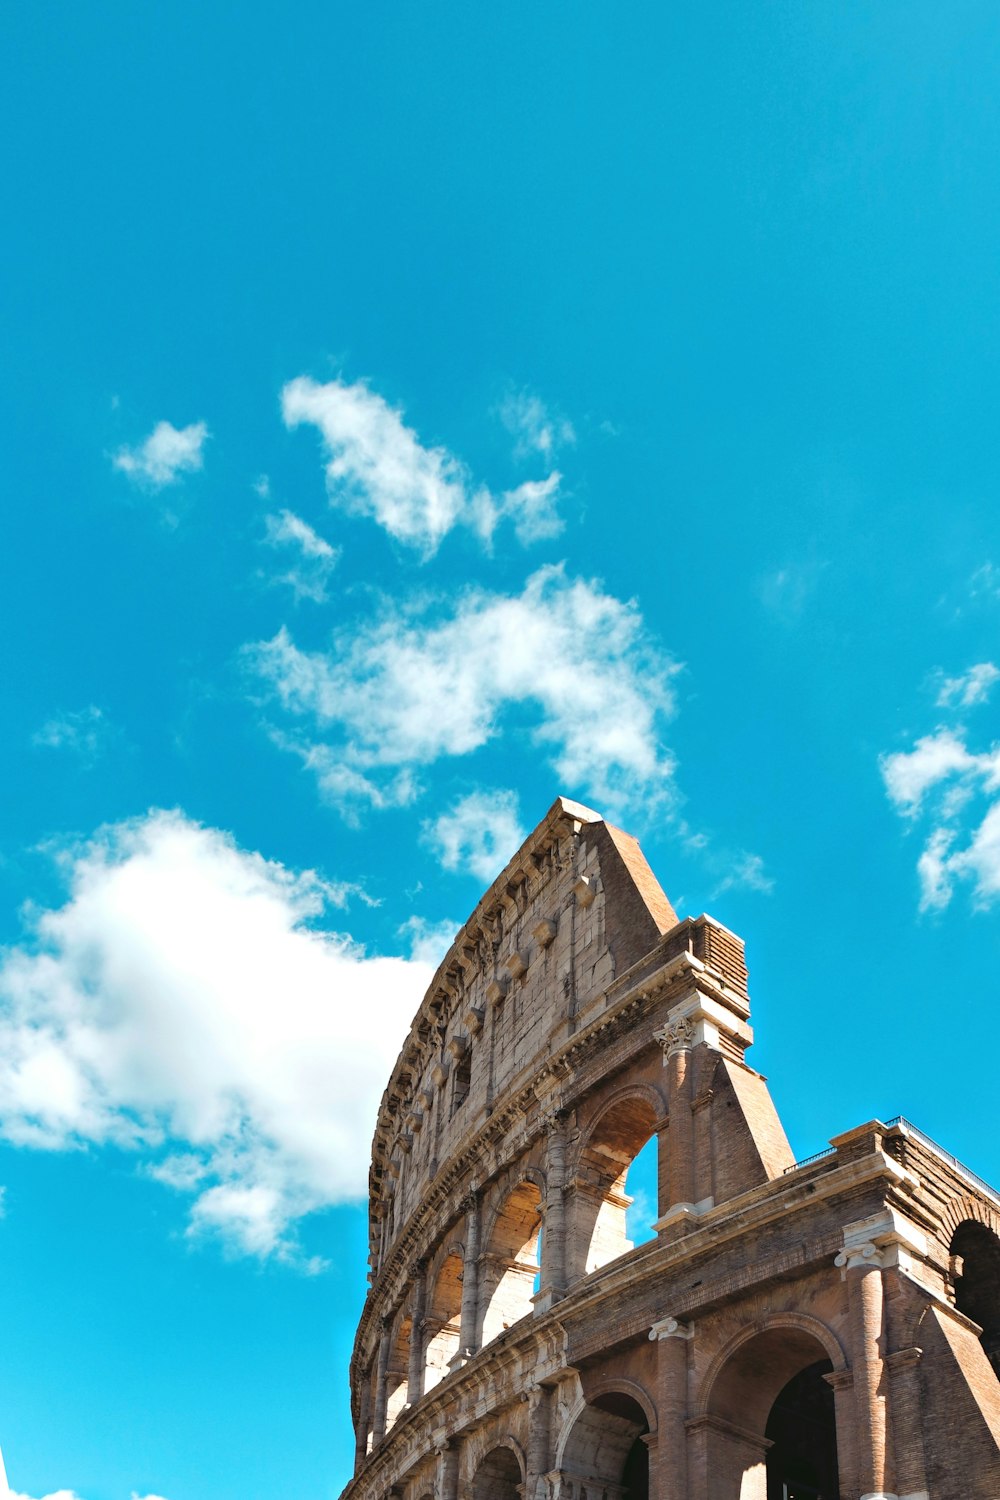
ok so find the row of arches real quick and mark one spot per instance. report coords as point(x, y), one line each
point(610, 1201)
point(784, 1447)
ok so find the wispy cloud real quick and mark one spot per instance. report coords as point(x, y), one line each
point(166, 454)
point(416, 686)
point(428, 942)
point(84, 732)
point(744, 872)
point(376, 466)
point(787, 590)
point(478, 834)
point(972, 687)
point(947, 782)
point(535, 429)
point(185, 1004)
point(314, 558)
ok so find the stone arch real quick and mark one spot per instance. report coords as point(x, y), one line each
point(500, 1473)
point(975, 1265)
point(625, 1387)
point(766, 1414)
point(602, 1445)
point(443, 1319)
point(965, 1209)
point(613, 1139)
point(509, 1265)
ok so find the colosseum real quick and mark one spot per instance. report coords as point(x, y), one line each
point(820, 1330)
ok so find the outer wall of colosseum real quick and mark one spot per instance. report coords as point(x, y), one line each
point(791, 1332)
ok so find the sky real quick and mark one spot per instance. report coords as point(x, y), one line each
point(412, 413)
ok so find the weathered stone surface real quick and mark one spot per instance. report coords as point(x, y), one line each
point(835, 1324)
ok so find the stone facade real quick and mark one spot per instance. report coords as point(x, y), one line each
point(829, 1329)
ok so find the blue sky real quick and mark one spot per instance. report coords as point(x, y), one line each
point(409, 415)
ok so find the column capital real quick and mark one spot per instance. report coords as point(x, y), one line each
point(677, 1035)
point(670, 1328)
point(859, 1257)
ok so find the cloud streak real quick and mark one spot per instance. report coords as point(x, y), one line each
point(377, 467)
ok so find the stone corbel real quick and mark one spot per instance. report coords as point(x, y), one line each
point(544, 932)
point(515, 965)
point(584, 891)
point(496, 990)
point(458, 1047)
point(473, 1019)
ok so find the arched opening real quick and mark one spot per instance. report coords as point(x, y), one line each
point(443, 1323)
point(498, 1477)
point(397, 1371)
point(976, 1269)
point(601, 1202)
point(771, 1432)
point(606, 1447)
point(509, 1269)
point(802, 1463)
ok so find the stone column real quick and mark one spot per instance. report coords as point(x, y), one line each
point(676, 1039)
point(907, 1430)
point(378, 1426)
point(862, 1267)
point(361, 1436)
point(671, 1339)
point(470, 1284)
point(418, 1304)
point(447, 1485)
point(539, 1437)
point(553, 1280)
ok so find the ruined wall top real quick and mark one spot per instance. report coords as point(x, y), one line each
point(574, 909)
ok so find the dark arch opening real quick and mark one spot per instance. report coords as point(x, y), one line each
point(606, 1447)
point(498, 1477)
point(977, 1283)
point(802, 1429)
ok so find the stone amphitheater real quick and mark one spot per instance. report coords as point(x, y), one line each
point(827, 1330)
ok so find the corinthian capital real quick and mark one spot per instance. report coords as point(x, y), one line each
point(677, 1035)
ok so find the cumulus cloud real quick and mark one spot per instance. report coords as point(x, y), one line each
point(957, 790)
point(166, 454)
point(84, 732)
point(185, 1004)
point(478, 834)
point(972, 687)
point(314, 558)
point(535, 429)
point(376, 466)
point(572, 660)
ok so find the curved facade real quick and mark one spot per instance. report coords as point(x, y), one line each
point(790, 1332)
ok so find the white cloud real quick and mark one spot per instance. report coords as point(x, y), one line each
point(6, 1494)
point(183, 1005)
point(533, 426)
point(315, 559)
point(972, 687)
point(414, 687)
point(164, 456)
point(85, 732)
point(532, 507)
point(479, 833)
point(956, 788)
point(744, 872)
point(428, 941)
point(910, 774)
point(376, 466)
